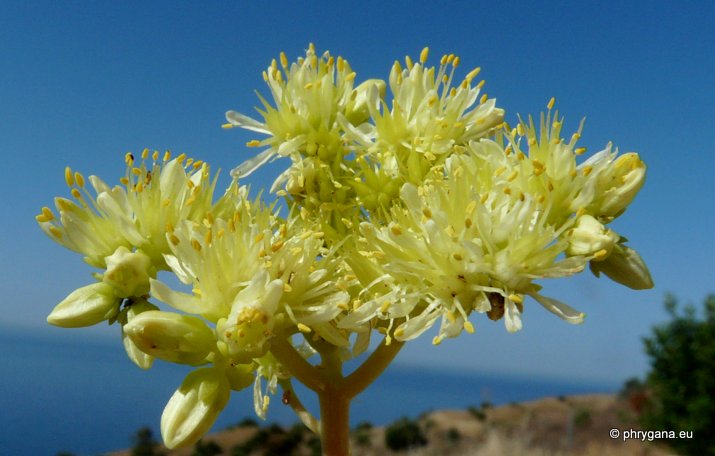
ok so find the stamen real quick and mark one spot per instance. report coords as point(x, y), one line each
point(69, 178)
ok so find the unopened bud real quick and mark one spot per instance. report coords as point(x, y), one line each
point(137, 356)
point(626, 267)
point(85, 306)
point(194, 407)
point(172, 337)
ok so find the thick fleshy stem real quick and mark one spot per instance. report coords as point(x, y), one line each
point(335, 392)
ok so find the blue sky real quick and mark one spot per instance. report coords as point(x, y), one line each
point(82, 83)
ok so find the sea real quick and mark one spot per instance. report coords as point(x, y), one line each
point(81, 395)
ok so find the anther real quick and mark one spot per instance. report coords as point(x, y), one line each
point(69, 177)
point(424, 54)
point(79, 179)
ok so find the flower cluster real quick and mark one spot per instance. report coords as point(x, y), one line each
point(400, 212)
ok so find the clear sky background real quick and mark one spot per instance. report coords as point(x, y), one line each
point(81, 83)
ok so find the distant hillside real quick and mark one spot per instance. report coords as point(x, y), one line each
point(564, 426)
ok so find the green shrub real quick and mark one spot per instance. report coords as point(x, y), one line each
point(681, 380)
point(404, 434)
point(209, 448)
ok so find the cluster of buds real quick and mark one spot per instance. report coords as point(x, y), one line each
point(401, 213)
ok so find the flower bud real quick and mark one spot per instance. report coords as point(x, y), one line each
point(128, 272)
point(85, 306)
point(172, 337)
point(589, 237)
point(619, 184)
point(137, 356)
point(194, 407)
point(626, 267)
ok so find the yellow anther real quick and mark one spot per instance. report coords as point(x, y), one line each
point(155, 155)
point(469, 327)
point(145, 154)
point(550, 186)
point(520, 129)
point(480, 84)
point(47, 213)
point(350, 77)
point(587, 170)
point(197, 164)
point(76, 193)
point(573, 173)
point(331, 61)
point(284, 59)
point(443, 60)
point(424, 54)
point(124, 180)
point(388, 339)
point(196, 245)
point(259, 237)
point(518, 299)
point(228, 126)
point(508, 150)
point(399, 332)
point(79, 179)
point(499, 171)
point(580, 150)
point(396, 229)
point(450, 58)
point(408, 62)
point(532, 142)
point(451, 317)
point(208, 238)
point(276, 246)
point(470, 207)
point(507, 191)
point(551, 102)
point(541, 199)
point(601, 254)
point(253, 143)
point(521, 156)
point(180, 159)
point(483, 99)
point(166, 202)
point(483, 199)
point(136, 171)
point(512, 176)
point(69, 177)
point(472, 74)
point(303, 328)
point(139, 187)
point(456, 62)
point(436, 340)
point(173, 239)
point(167, 155)
point(385, 307)
point(432, 100)
point(56, 232)
point(427, 212)
point(169, 227)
